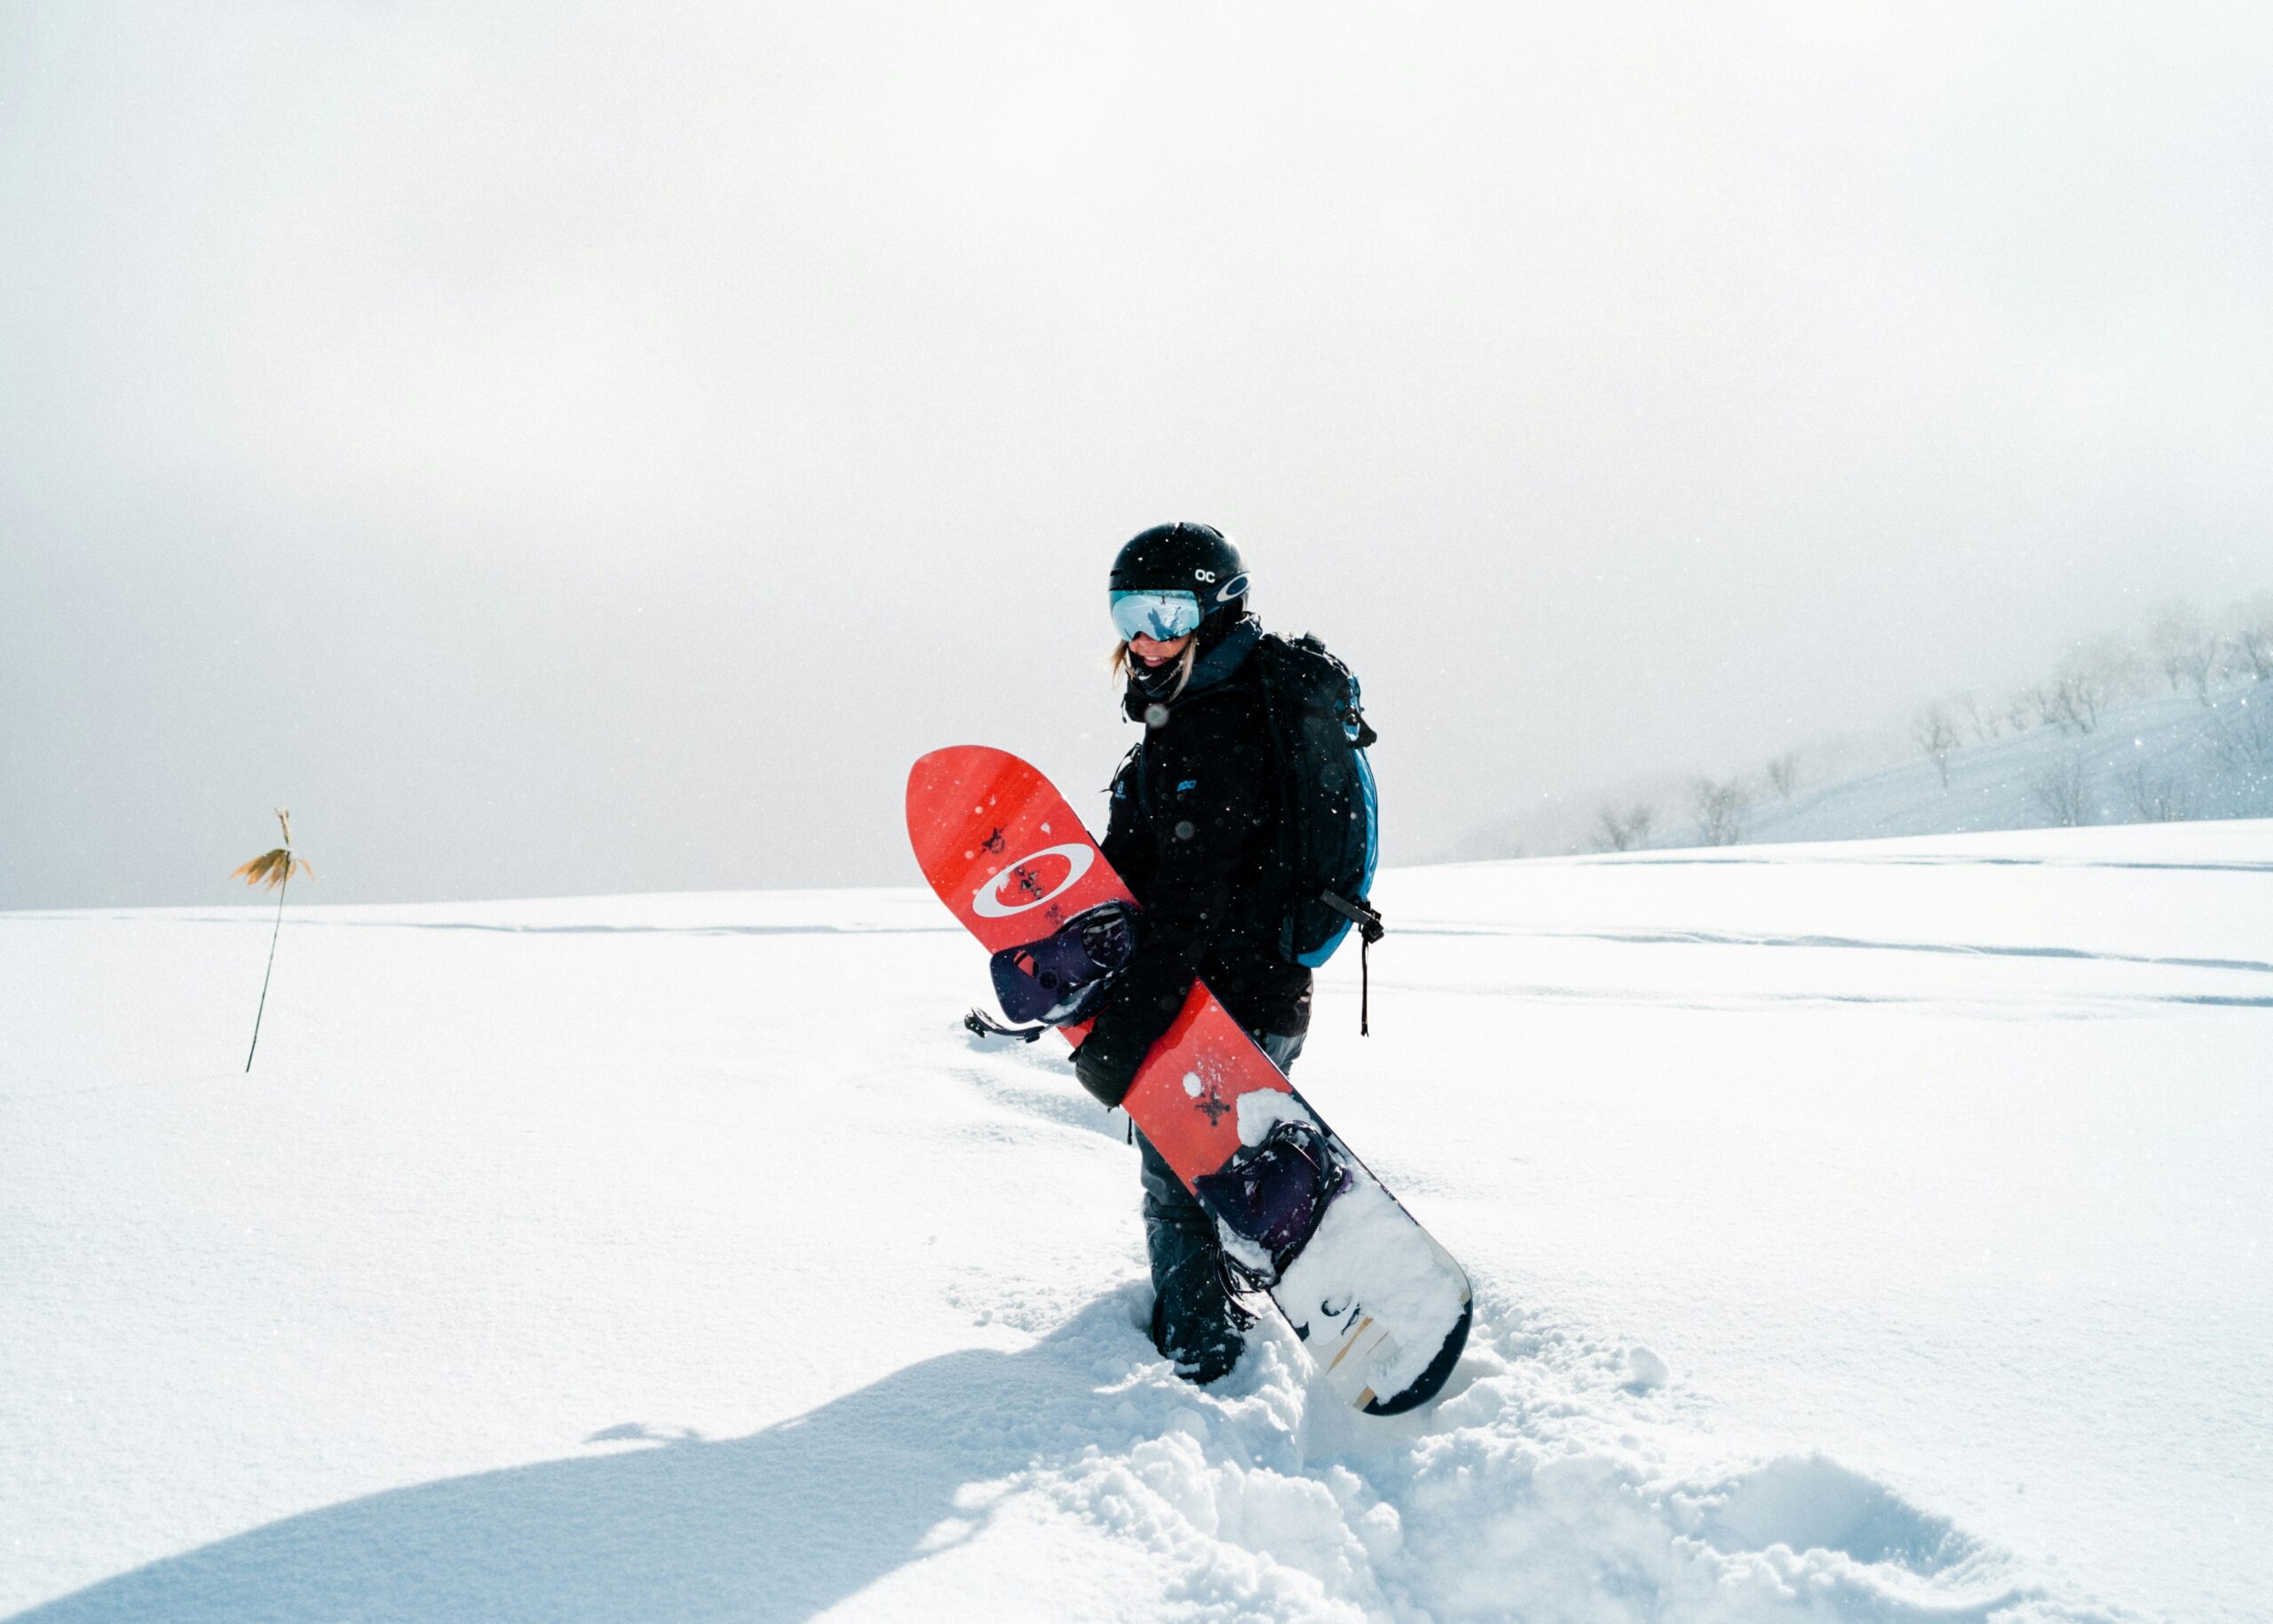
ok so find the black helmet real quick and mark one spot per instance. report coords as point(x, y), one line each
point(1199, 559)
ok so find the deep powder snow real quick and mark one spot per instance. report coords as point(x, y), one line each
point(1859, 1232)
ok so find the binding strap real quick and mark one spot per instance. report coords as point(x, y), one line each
point(979, 1024)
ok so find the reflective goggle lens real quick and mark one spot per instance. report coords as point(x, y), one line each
point(1161, 616)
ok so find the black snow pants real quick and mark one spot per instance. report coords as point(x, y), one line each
point(1195, 1323)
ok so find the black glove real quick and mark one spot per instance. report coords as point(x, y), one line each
point(1106, 1062)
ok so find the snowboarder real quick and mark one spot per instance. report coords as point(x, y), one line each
point(1192, 831)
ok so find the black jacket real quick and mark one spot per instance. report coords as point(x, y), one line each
point(1192, 831)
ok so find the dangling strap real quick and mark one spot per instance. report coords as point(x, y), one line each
point(980, 1025)
point(1365, 985)
point(1370, 930)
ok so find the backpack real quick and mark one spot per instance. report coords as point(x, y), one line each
point(1328, 834)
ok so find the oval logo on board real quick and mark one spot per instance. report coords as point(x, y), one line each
point(1027, 881)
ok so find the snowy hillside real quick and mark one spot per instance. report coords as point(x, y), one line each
point(2153, 760)
point(1860, 1231)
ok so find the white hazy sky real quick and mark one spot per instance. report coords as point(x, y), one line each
point(573, 448)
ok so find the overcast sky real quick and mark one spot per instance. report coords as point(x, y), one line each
point(564, 448)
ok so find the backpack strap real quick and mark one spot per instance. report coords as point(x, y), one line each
point(1282, 837)
point(1370, 930)
point(1366, 917)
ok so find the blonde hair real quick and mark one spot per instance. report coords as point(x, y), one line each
point(1184, 661)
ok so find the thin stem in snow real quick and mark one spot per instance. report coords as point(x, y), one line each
point(274, 931)
point(273, 869)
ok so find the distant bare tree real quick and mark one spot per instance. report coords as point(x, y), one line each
point(1936, 734)
point(1784, 774)
point(2075, 698)
point(2241, 735)
point(2054, 708)
point(1616, 831)
point(2156, 797)
point(2058, 787)
point(1983, 720)
point(1721, 810)
point(2187, 649)
point(2174, 633)
point(2020, 708)
point(2250, 650)
point(2093, 677)
point(2122, 673)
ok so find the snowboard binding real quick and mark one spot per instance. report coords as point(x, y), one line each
point(1269, 1200)
point(1065, 977)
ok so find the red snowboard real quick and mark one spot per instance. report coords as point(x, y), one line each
point(1379, 1303)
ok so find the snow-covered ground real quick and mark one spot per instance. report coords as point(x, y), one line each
point(1863, 1231)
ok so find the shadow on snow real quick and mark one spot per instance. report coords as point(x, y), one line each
point(778, 1524)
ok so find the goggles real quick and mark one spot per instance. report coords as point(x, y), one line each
point(1162, 616)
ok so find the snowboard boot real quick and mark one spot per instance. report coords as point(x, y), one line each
point(1196, 1324)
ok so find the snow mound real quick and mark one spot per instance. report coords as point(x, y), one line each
point(1527, 1494)
point(1645, 1370)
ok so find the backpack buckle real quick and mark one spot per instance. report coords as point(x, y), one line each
point(1361, 913)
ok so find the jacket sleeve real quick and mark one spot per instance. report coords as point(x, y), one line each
point(1202, 800)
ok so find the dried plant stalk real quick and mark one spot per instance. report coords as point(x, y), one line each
point(273, 869)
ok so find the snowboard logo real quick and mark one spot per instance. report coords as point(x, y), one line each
point(1027, 886)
